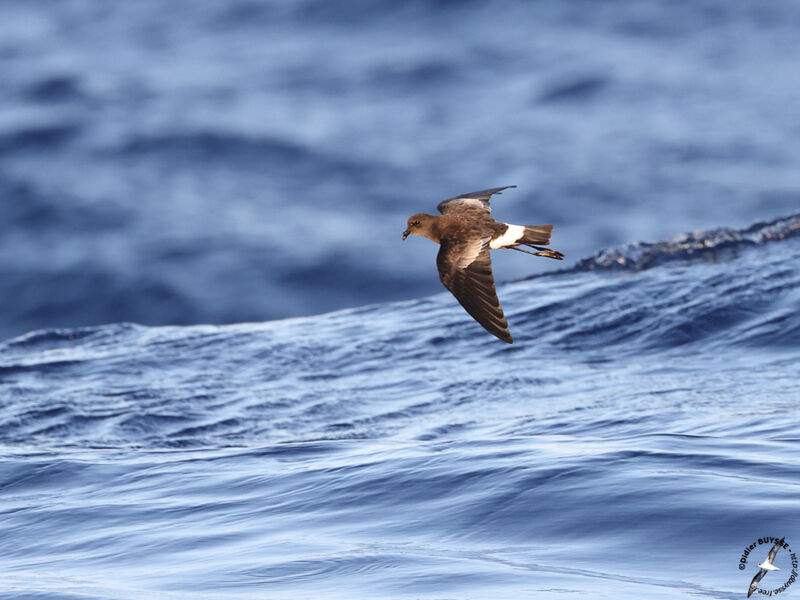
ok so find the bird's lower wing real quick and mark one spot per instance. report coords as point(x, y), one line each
point(754, 584)
point(467, 273)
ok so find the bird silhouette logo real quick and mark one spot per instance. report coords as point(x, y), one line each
point(768, 565)
point(765, 567)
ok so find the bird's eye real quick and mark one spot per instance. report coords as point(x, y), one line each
point(415, 223)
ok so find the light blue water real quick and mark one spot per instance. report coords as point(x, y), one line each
point(638, 435)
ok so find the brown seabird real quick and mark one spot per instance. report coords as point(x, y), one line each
point(465, 232)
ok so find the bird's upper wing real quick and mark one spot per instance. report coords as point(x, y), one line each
point(466, 270)
point(774, 551)
point(754, 583)
point(473, 199)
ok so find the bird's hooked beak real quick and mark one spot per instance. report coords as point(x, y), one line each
point(406, 233)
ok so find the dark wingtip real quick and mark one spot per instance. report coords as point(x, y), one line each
point(504, 336)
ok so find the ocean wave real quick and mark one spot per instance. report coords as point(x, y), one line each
point(318, 377)
point(265, 152)
point(636, 392)
point(704, 244)
point(37, 137)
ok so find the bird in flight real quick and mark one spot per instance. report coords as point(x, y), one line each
point(465, 232)
point(765, 566)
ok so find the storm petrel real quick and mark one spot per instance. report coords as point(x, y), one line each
point(765, 566)
point(465, 232)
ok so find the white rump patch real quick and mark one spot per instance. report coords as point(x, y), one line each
point(509, 238)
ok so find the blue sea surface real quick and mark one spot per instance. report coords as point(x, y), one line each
point(638, 435)
point(184, 162)
point(186, 186)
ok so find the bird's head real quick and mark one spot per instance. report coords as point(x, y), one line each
point(419, 224)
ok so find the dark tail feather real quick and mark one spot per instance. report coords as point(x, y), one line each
point(537, 234)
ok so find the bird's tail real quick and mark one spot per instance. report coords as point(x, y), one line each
point(527, 235)
point(536, 234)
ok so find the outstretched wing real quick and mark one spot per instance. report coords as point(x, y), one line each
point(754, 584)
point(774, 551)
point(473, 200)
point(466, 270)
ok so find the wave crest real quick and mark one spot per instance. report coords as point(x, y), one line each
point(689, 246)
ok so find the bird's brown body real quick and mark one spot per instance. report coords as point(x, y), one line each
point(465, 232)
point(442, 227)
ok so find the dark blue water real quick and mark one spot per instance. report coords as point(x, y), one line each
point(204, 162)
point(639, 434)
point(164, 165)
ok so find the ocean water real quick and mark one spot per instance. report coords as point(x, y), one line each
point(224, 375)
point(204, 162)
point(640, 433)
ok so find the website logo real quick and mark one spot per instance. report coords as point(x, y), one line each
point(786, 564)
